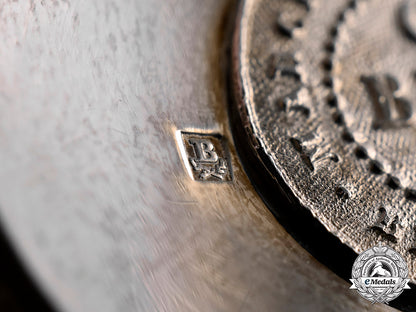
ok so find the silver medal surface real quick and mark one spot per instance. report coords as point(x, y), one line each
point(325, 91)
point(120, 186)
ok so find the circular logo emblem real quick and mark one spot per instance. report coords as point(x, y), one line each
point(379, 274)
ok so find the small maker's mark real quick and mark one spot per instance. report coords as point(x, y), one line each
point(206, 157)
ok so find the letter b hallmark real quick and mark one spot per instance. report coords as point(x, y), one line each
point(206, 156)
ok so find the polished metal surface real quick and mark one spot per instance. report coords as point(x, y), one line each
point(327, 92)
point(95, 195)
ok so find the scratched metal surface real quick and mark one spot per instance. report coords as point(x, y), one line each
point(93, 192)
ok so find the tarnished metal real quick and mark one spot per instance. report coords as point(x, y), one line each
point(326, 93)
point(95, 195)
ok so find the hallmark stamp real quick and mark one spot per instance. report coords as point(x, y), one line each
point(206, 156)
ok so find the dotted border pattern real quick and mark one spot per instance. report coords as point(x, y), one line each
point(375, 167)
point(383, 228)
